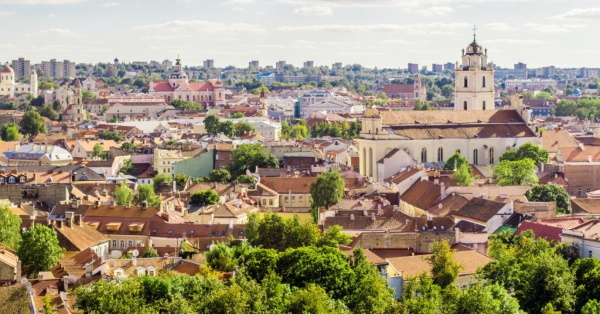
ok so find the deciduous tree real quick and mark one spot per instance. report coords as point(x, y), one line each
point(248, 157)
point(326, 191)
point(518, 172)
point(146, 193)
point(32, 124)
point(208, 197)
point(10, 132)
point(10, 227)
point(123, 194)
point(551, 193)
point(39, 250)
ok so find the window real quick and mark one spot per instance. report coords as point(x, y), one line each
point(286, 199)
point(571, 192)
point(588, 190)
point(122, 244)
point(423, 154)
point(440, 154)
point(465, 105)
point(580, 192)
point(475, 157)
point(484, 105)
point(130, 243)
point(22, 179)
point(466, 82)
point(492, 156)
point(114, 244)
point(589, 253)
point(483, 82)
point(293, 199)
point(271, 202)
point(11, 179)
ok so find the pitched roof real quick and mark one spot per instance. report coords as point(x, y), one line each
point(552, 140)
point(451, 203)
point(480, 209)
point(456, 116)
point(410, 266)
point(548, 232)
point(422, 194)
point(422, 223)
point(585, 206)
point(82, 237)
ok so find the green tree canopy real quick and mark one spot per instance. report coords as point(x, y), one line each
point(237, 115)
point(211, 124)
point(551, 193)
point(227, 128)
point(527, 150)
point(146, 193)
point(48, 112)
point(464, 175)
point(519, 172)
point(543, 95)
point(87, 95)
point(128, 147)
point(10, 227)
point(248, 157)
point(32, 124)
point(160, 180)
point(208, 197)
point(39, 250)
point(219, 175)
point(123, 194)
point(187, 105)
point(111, 135)
point(128, 168)
point(242, 128)
point(10, 132)
point(444, 268)
point(455, 161)
point(326, 191)
point(98, 150)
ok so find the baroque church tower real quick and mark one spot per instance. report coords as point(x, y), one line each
point(474, 80)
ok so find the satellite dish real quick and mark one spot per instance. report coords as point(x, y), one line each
point(135, 253)
point(35, 213)
point(72, 279)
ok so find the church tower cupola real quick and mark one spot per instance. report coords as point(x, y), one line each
point(474, 80)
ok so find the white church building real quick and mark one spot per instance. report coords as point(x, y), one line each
point(8, 86)
point(475, 129)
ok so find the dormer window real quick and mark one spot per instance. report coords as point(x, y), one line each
point(11, 180)
point(22, 179)
point(1, 179)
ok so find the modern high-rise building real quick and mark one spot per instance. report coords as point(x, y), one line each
point(22, 68)
point(437, 68)
point(280, 64)
point(254, 64)
point(336, 66)
point(449, 66)
point(413, 68)
point(58, 69)
point(520, 66)
point(209, 63)
point(309, 64)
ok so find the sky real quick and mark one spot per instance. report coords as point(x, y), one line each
point(374, 33)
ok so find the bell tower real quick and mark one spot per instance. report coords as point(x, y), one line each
point(474, 80)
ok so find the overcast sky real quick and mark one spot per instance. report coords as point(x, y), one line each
point(374, 33)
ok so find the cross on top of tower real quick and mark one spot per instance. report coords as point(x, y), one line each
point(474, 32)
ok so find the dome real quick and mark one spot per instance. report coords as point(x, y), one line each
point(576, 92)
point(7, 69)
point(474, 48)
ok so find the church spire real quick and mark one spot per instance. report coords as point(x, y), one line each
point(474, 32)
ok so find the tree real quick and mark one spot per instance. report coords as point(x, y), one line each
point(128, 147)
point(87, 95)
point(246, 179)
point(98, 150)
point(455, 161)
point(56, 105)
point(123, 194)
point(219, 175)
point(10, 227)
point(48, 112)
point(181, 179)
point(248, 157)
point(444, 268)
point(39, 250)
point(150, 252)
point(111, 135)
point(211, 124)
point(519, 172)
point(241, 128)
point(208, 197)
point(464, 175)
point(543, 95)
point(527, 150)
point(226, 128)
point(160, 180)
point(333, 237)
point(186, 105)
point(591, 307)
point(32, 124)
point(422, 105)
point(237, 115)
point(146, 193)
point(326, 191)
point(551, 193)
point(314, 299)
point(10, 132)
point(127, 167)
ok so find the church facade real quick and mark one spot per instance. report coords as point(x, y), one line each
point(8, 86)
point(209, 94)
point(481, 134)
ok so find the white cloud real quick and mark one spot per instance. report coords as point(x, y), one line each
point(503, 27)
point(436, 11)
point(383, 3)
point(111, 4)
point(60, 32)
point(201, 26)
point(589, 13)
point(33, 2)
point(239, 2)
point(6, 13)
point(412, 28)
point(396, 41)
point(552, 28)
point(315, 10)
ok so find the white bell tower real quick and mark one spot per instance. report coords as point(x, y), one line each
point(474, 80)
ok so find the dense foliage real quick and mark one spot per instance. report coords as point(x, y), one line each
point(248, 157)
point(146, 193)
point(326, 191)
point(518, 172)
point(527, 150)
point(551, 193)
point(10, 227)
point(39, 250)
point(208, 197)
point(9, 132)
point(111, 135)
point(123, 194)
point(344, 130)
point(32, 124)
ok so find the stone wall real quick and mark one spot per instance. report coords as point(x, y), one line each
point(51, 194)
point(419, 241)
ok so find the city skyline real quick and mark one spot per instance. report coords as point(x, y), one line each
point(379, 33)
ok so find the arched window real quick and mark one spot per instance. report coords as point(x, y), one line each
point(492, 156)
point(465, 105)
point(484, 105)
point(481, 62)
point(475, 157)
point(483, 82)
point(424, 154)
point(440, 154)
point(468, 62)
point(370, 161)
point(466, 81)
